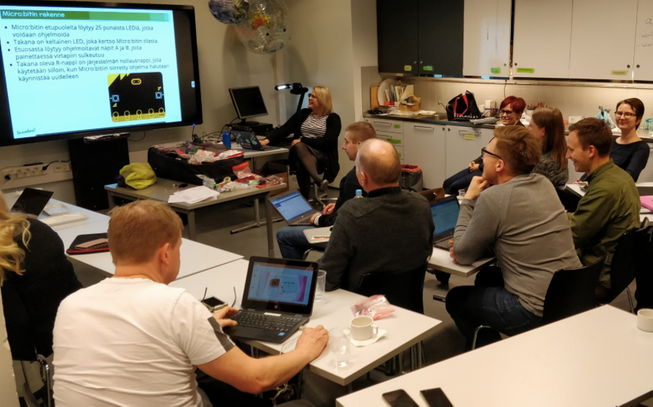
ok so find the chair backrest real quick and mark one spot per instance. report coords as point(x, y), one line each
point(403, 288)
point(630, 247)
point(571, 292)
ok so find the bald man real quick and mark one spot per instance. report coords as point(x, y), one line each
point(388, 231)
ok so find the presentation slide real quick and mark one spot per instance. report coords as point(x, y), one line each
point(270, 283)
point(74, 69)
point(445, 216)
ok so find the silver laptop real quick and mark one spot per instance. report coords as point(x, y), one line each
point(293, 207)
point(277, 299)
point(445, 213)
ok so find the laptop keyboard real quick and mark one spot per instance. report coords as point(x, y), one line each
point(281, 324)
point(443, 244)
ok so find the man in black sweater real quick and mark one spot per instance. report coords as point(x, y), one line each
point(388, 231)
point(291, 239)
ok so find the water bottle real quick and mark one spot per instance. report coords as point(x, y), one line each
point(359, 194)
point(226, 139)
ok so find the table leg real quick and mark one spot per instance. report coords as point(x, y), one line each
point(257, 213)
point(112, 200)
point(192, 232)
point(268, 225)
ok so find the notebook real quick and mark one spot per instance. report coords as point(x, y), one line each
point(277, 299)
point(445, 216)
point(293, 207)
point(32, 201)
point(647, 202)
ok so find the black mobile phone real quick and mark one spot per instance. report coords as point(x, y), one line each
point(436, 398)
point(213, 304)
point(399, 398)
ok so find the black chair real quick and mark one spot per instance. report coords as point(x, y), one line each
point(570, 292)
point(644, 274)
point(403, 288)
point(628, 255)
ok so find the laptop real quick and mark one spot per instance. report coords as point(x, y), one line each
point(293, 208)
point(445, 216)
point(277, 299)
point(32, 201)
point(247, 139)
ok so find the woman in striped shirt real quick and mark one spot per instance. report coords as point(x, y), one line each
point(314, 148)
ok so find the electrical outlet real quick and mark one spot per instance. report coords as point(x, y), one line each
point(13, 173)
point(60, 166)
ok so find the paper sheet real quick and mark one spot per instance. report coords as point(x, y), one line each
point(193, 195)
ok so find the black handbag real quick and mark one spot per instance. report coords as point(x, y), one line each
point(463, 108)
point(172, 166)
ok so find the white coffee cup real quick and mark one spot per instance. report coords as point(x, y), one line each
point(363, 328)
point(645, 319)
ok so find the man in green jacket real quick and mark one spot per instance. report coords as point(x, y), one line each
point(611, 205)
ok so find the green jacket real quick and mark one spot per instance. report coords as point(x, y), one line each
point(608, 210)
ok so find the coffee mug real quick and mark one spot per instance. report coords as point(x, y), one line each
point(645, 320)
point(363, 328)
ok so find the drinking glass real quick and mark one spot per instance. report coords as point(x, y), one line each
point(320, 286)
point(339, 345)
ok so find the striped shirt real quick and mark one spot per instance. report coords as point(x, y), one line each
point(314, 126)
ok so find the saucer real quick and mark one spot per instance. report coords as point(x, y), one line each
point(359, 344)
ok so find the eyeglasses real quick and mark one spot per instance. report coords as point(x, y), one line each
point(507, 112)
point(484, 151)
point(625, 115)
point(312, 96)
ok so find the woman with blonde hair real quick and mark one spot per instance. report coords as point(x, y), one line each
point(314, 148)
point(35, 277)
point(548, 125)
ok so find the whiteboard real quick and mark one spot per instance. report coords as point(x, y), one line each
point(644, 41)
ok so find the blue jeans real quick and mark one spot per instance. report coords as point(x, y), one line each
point(293, 243)
point(491, 305)
point(459, 180)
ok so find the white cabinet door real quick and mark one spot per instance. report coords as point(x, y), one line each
point(486, 42)
point(464, 145)
point(424, 145)
point(644, 41)
point(602, 39)
point(542, 39)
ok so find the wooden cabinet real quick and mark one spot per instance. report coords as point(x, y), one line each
point(463, 146)
point(602, 38)
point(424, 145)
point(420, 37)
point(486, 44)
point(539, 49)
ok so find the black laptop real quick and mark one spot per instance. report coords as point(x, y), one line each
point(277, 299)
point(294, 208)
point(32, 201)
point(445, 216)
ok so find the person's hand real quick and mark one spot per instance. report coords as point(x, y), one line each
point(315, 215)
point(295, 141)
point(475, 188)
point(265, 142)
point(328, 210)
point(473, 166)
point(221, 314)
point(313, 341)
point(451, 253)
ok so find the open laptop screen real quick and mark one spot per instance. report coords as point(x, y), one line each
point(283, 284)
point(445, 215)
point(291, 206)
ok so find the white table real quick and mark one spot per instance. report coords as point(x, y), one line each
point(405, 328)
point(195, 257)
point(163, 188)
point(595, 359)
point(441, 260)
point(643, 212)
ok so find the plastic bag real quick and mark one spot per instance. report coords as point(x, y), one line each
point(605, 116)
point(376, 306)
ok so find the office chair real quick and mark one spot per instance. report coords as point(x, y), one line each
point(628, 257)
point(570, 292)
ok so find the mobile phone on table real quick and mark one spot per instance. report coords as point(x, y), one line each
point(399, 398)
point(436, 398)
point(213, 304)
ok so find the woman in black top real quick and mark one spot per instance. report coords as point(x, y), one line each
point(314, 148)
point(35, 276)
point(630, 152)
point(512, 108)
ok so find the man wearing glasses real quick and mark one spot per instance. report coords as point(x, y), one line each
point(611, 205)
point(518, 216)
